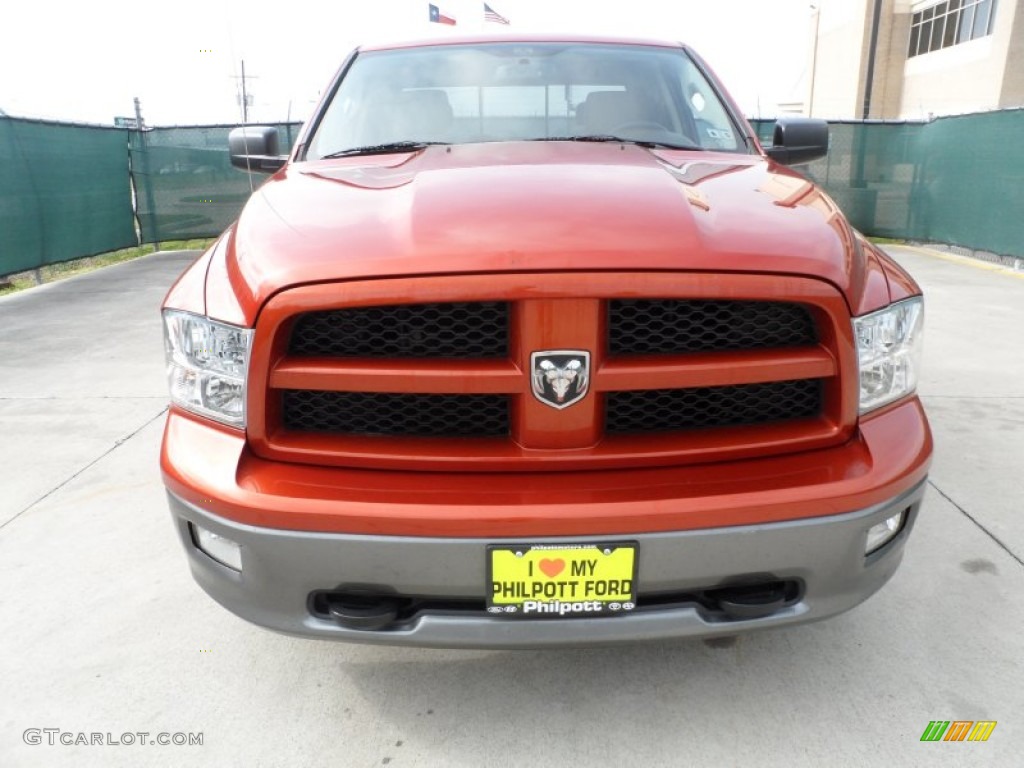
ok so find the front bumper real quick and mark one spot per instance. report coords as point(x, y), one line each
point(281, 569)
point(801, 518)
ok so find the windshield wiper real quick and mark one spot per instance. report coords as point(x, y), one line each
point(610, 138)
point(382, 149)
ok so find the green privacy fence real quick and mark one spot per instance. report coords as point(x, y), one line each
point(64, 193)
point(66, 190)
point(972, 182)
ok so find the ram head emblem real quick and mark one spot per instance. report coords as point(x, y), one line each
point(560, 377)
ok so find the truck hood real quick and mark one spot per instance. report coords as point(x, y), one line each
point(533, 206)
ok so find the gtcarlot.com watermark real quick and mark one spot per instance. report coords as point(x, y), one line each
point(58, 737)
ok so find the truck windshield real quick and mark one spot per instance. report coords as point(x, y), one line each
point(458, 94)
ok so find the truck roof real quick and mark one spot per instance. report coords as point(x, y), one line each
point(517, 38)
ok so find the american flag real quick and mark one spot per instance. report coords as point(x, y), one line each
point(439, 18)
point(491, 15)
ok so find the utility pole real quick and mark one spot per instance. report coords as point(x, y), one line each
point(246, 96)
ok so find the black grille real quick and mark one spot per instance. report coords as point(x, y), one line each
point(664, 410)
point(369, 413)
point(456, 330)
point(673, 326)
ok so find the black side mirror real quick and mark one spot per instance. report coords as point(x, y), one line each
point(254, 148)
point(798, 140)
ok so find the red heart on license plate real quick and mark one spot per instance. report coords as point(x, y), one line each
point(552, 568)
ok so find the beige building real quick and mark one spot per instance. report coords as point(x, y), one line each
point(914, 59)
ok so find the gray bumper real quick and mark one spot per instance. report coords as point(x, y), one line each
point(282, 568)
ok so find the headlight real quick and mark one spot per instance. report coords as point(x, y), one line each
point(889, 352)
point(207, 364)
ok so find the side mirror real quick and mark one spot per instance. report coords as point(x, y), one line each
point(254, 148)
point(798, 140)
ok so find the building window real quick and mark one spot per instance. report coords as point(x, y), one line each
point(945, 24)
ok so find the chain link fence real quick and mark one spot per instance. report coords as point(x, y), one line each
point(185, 184)
point(955, 180)
point(69, 190)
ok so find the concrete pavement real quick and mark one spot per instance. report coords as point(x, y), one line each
point(80, 370)
point(103, 631)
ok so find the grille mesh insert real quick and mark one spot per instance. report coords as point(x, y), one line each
point(674, 326)
point(396, 415)
point(458, 330)
point(664, 410)
point(480, 330)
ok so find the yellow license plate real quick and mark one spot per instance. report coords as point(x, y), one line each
point(540, 581)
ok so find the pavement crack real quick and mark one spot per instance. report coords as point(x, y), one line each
point(117, 444)
point(974, 520)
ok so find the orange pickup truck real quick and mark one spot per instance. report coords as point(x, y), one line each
point(529, 342)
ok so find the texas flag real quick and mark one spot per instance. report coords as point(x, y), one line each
point(439, 18)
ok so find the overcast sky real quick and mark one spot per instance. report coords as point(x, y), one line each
point(84, 60)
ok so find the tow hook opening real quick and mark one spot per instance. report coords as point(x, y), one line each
point(358, 611)
point(754, 601)
point(380, 608)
